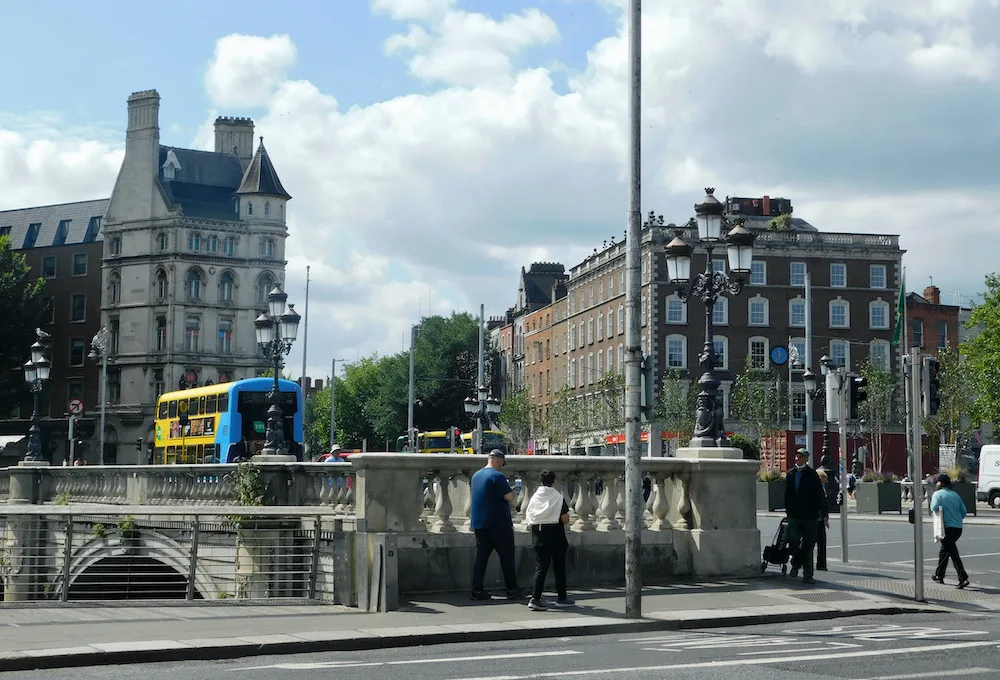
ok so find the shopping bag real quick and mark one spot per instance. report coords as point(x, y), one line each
point(938, 525)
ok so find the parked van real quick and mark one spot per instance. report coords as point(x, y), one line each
point(988, 487)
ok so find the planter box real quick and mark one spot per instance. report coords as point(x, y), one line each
point(771, 495)
point(874, 499)
point(966, 490)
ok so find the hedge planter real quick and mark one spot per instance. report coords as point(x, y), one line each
point(771, 495)
point(875, 498)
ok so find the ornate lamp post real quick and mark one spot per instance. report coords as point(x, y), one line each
point(275, 334)
point(100, 348)
point(713, 228)
point(482, 407)
point(36, 371)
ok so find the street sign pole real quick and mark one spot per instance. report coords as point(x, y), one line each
point(845, 412)
point(918, 476)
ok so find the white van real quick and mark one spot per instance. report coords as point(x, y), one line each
point(988, 487)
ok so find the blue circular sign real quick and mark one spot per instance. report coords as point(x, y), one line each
point(779, 356)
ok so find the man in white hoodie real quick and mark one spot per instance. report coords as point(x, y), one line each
point(548, 514)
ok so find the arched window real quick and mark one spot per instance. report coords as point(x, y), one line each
point(281, 210)
point(114, 288)
point(194, 285)
point(162, 287)
point(264, 285)
point(226, 287)
point(249, 208)
point(229, 246)
point(267, 208)
point(758, 311)
point(161, 240)
point(720, 313)
point(676, 310)
point(267, 248)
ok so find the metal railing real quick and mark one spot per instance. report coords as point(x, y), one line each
point(140, 553)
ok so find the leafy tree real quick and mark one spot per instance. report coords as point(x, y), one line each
point(516, 418)
point(21, 308)
point(879, 410)
point(982, 354)
point(760, 402)
point(676, 405)
point(608, 403)
point(780, 223)
point(561, 419)
point(952, 421)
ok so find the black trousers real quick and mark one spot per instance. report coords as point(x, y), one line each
point(949, 548)
point(801, 540)
point(556, 555)
point(502, 541)
point(821, 545)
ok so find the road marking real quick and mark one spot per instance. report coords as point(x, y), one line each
point(935, 674)
point(887, 631)
point(862, 545)
point(839, 656)
point(831, 645)
point(934, 559)
point(359, 664)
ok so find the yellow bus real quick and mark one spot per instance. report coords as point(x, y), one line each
point(436, 441)
point(492, 439)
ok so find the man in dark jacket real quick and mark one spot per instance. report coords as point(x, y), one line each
point(805, 506)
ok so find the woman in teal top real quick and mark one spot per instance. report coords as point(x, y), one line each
point(952, 509)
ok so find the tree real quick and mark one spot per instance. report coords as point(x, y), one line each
point(879, 409)
point(760, 402)
point(516, 416)
point(982, 354)
point(608, 404)
point(561, 419)
point(676, 405)
point(21, 308)
point(952, 420)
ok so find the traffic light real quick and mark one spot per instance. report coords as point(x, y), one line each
point(454, 438)
point(931, 395)
point(858, 394)
point(138, 444)
point(182, 412)
point(646, 388)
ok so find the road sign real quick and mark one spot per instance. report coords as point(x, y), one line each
point(259, 427)
point(779, 356)
point(75, 406)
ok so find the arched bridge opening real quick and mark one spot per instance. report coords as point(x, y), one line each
point(129, 577)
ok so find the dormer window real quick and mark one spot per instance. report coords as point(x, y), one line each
point(171, 165)
point(267, 208)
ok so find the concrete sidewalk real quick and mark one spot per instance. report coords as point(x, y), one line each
point(78, 635)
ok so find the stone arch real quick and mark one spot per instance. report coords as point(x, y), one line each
point(161, 284)
point(265, 282)
point(114, 288)
point(194, 283)
point(228, 285)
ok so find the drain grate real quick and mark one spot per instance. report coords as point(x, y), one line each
point(947, 594)
point(827, 597)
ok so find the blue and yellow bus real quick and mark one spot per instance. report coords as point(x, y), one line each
point(225, 422)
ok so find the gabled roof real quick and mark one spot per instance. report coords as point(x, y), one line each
point(539, 280)
point(80, 223)
point(203, 184)
point(261, 177)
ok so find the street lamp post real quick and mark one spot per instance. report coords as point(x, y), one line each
point(713, 228)
point(100, 348)
point(813, 392)
point(36, 371)
point(482, 407)
point(824, 367)
point(276, 332)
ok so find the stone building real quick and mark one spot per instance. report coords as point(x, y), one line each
point(193, 242)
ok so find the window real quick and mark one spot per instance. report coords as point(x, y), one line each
point(611, 286)
point(611, 360)
point(212, 243)
point(878, 354)
point(600, 327)
point(62, 231)
point(31, 235)
point(267, 208)
point(115, 246)
point(74, 390)
point(5, 231)
point(645, 271)
point(878, 314)
point(758, 311)
point(590, 331)
point(49, 267)
point(159, 386)
point(225, 336)
point(194, 241)
point(267, 248)
point(839, 355)
point(114, 330)
point(264, 285)
point(799, 353)
point(93, 228)
point(721, 352)
point(590, 368)
point(161, 285)
point(77, 350)
point(676, 310)
point(249, 208)
point(942, 333)
point(161, 240)
point(621, 319)
point(611, 323)
point(838, 275)
point(601, 291)
point(572, 337)
point(78, 307)
point(114, 386)
point(839, 314)
point(572, 373)
point(621, 358)
point(718, 265)
point(797, 273)
point(797, 313)
point(758, 273)
point(758, 354)
point(918, 332)
point(226, 287)
point(161, 334)
point(49, 310)
point(876, 276)
point(600, 365)
point(194, 285)
point(114, 288)
point(191, 332)
point(798, 402)
point(591, 295)
point(676, 354)
point(229, 246)
point(720, 313)
point(80, 264)
point(642, 312)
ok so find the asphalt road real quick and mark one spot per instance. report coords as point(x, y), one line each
point(914, 646)
point(886, 548)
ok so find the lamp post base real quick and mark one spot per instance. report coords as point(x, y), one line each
point(273, 458)
point(707, 453)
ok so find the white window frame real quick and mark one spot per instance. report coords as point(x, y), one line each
point(590, 369)
point(621, 358)
point(600, 326)
point(871, 276)
point(683, 307)
point(590, 331)
point(761, 264)
point(888, 352)
point(847, 351)
point(600, 365)
point(571, 380)
point(642, 310)
point(767, 311)
point(724, 366)
point(847, 313)
point(884, 306)
point(791, 315)
point(833, 267)
point(791, 274)
point(611, 360)
point(666, 348)
point(767, 351)
point(722, 303)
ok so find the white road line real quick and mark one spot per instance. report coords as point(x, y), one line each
point(359, 664)
point(862, 545)
point(936, 674)
point(839, 656)
point(829, 645)
point(934, 559)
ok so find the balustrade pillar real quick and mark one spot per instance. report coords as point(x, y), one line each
point(584, 506)
point(609, 505)
point(441, 522)
point(659, 506)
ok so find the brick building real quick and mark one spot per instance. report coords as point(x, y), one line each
point(932, 325)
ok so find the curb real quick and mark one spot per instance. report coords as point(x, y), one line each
point(973, 520)
point(168, 651)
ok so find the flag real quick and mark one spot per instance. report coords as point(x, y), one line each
point(900, 312)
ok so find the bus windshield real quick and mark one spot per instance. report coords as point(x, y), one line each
point(435, 443)
point(493, 440)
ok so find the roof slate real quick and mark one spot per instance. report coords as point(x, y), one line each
point(79, 216)
point(204, 184)
point(261, 177)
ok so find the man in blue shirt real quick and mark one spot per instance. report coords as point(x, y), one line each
point(953, 511)
point(491, 499)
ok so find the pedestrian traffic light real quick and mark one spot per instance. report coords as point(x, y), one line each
point(931, 394)
point(646, 388)
point(859, 393)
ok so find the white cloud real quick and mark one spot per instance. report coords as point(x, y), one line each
point(405, 10)
point(245, 69)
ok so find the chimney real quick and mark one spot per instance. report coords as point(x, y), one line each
point(767, 205)
point(143, 114)
point(235, 135)
point(933, 295)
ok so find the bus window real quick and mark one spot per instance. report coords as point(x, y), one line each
point(201, 405)
point(171, 455)
point(224, 402)
point(193, 406)
point(200, 455)
point(162, 412)
point(158, 455)
point(211, 403)
point(173, 409)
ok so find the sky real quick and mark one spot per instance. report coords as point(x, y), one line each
point(434, 147)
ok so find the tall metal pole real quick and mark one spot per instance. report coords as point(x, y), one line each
point(633, 338)
point(480, 377)
point(806, 366)
point(333, 403)
point(918, 475)
point(305, 341)
point(845, 412)
point(104, 400)
point(410, 435)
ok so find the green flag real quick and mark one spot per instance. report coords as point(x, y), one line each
point(900, 312)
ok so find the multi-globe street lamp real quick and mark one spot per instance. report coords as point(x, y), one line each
point(714, 228)
point(36, 371)
point(100, 349)
point(276, 332)
point(813, 391)
point(482, 406)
